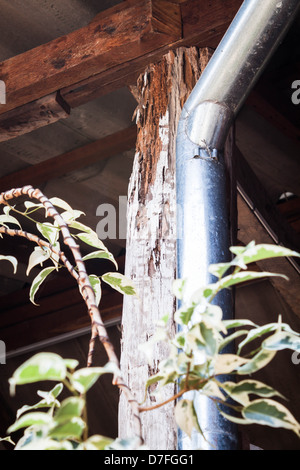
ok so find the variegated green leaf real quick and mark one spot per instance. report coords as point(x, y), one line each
point(71, 407)
point(282, 340)
point(91, 239)
point(240, 392)
point(84, 379)
point(30, 419)
point(101, 255)
point(186, 417)
point(49, 400)
point(38, 280)
point(38, 256)
point(120, 283)
point(212, 389)
point(9, 219)
point(42, 366)
point(242, 277)
point(253, 253)
point(270, 413)
point(259, 361)
point(236, 323)
point(178, 288)
point(96, 285)
point(71, 429)
point(49, 231)
point(227, 363)
point(228, 339)
point(97, 443)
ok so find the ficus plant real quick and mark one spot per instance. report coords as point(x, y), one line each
point(197, 359)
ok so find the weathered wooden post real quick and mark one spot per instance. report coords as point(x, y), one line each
point(151, 231)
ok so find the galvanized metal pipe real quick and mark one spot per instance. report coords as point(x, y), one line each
point(203, 233)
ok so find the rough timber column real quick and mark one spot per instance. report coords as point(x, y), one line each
point(151, 231)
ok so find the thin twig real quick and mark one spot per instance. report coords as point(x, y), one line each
point(86, 291)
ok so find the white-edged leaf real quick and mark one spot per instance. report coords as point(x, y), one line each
point(270, 413)
point(9, 219)
point(69, 429)
point(212, 389)
point(240, 391)
point(38, 280)
point(178, 288)
point(38, 256)
point(244, 276)
point(31, 419)
point(49, 231)
point(97, 442)
point(48, 400)
point(120, 283)
point(7, 439)
point(12, 260)
point(91, 238)
point(227, 363)
point(227, 340)
point(84, 379)
point(100, 254)
point(282, 340)
point(260, 360)
point(57, 202)
point(235, 419)
point(236, 323)
point(96, 285)
point(253, 253)
point(41, 366)
point(186, 417)
point(71, 407)
point(79, 226)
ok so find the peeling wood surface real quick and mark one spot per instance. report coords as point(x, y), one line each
point(151, 232)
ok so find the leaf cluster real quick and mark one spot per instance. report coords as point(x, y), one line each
point(198, 360)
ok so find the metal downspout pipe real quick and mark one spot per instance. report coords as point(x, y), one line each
point(203, 229)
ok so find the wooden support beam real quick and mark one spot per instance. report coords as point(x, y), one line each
point(116, 36)
point(151, 236)
point(112, 49)
point(31, 116)
point(262, 203)
point(75, 159)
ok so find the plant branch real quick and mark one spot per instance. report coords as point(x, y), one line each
point(86, 291)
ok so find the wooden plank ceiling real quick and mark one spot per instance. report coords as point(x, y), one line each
point(67, 128)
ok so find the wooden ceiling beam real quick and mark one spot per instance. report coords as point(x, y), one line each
point(116, 45)
point(31, 116)
point(115, 36)
point(73, 160)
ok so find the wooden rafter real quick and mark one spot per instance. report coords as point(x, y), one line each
point(119, 42)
